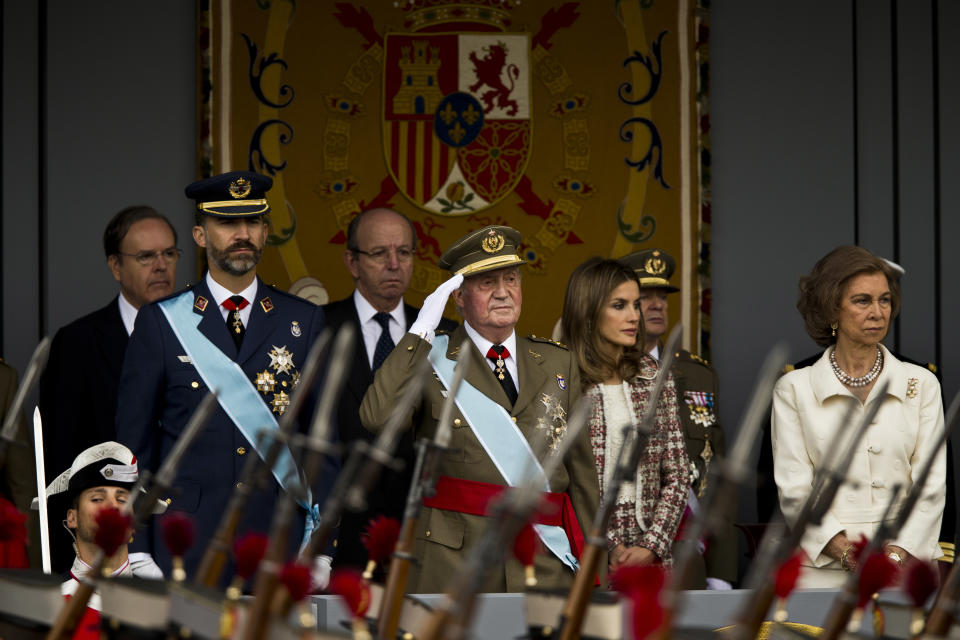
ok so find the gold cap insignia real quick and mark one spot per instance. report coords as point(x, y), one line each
point(655, 265)
point(493, 242)
point(240, 188)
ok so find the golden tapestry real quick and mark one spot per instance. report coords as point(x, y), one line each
point(581, 124)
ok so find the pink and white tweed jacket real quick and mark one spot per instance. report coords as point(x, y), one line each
point(663, 472)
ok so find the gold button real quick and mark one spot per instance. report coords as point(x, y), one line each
point(427, 533)
point(456, 421)
point(241, 451)
point(284, 383)
point(514, 418)
point(168, 500)
point(410, 348)
point(239, 484)
point(195, 384)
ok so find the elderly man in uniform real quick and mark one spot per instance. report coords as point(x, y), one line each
point(379, 256)
point(516, 391)
point(232, 333)
point(101, 476)
point(697, 390)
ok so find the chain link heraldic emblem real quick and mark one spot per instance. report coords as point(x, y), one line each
point(456, 110)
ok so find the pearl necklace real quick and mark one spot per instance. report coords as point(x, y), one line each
point(863, 380)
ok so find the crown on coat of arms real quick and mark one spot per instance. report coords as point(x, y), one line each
point(424, 14)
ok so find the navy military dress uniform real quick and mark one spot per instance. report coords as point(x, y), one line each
point(160, 388)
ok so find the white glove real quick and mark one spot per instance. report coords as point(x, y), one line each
point(320, 573)
point(432, 310)
point(716, 584)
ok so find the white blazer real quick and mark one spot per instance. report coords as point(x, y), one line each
point(808, 405)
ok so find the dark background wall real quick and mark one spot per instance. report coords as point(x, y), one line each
point(831, 124)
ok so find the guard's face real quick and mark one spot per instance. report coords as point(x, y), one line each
point(491, 301)
point(234, 245)
point(84, 517)
point(865, 308)
point(619, 321)
point(653, 306)
point(145, 242)
point(384, 263)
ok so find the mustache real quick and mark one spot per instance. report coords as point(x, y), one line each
point(243, 244)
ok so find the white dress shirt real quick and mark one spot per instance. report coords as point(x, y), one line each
point(484, 346)
point(128, 313)
point(371, 329)
point(221, 293)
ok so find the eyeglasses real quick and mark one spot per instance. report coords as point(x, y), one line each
point(147, 258)
point(382, 256)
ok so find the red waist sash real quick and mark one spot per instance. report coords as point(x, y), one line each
point(471, 497)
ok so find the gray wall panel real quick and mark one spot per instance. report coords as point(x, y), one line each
point(20, 171)
point(782, 176)
point(121, 131)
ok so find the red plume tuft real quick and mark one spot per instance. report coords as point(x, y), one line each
point(525, 546)
point(296, 578)
point(642, 585)
point(113, 530)
point(380, 537)
point(354, 590)
point(12, 523)
point(857, 549)
point(787, 574)
point(920, 582)
point(878, 572)
point(248, 552)
point(177, 532)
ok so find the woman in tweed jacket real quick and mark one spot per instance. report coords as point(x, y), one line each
point(603, 327)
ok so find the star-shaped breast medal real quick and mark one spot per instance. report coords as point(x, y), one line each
point(280, 359)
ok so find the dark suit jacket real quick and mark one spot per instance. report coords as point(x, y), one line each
point(390, 494)
point(159, 392)
point(78, 401)
point(78, 389)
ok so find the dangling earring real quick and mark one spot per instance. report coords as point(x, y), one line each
point(833, 329)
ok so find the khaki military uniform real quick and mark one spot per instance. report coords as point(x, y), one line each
point(697, 395)
point(547, 373)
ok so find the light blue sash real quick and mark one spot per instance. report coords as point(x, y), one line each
point(235, 393)
point(504, 443)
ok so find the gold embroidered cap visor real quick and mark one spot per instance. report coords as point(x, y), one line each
point(487, 249)
point(653, 267)
point(233, 194)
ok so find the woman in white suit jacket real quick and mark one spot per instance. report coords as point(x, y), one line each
point(848, 302)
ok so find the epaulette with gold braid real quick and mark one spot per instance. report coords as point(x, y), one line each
point(548, 341)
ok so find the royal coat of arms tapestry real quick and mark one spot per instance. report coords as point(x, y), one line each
point(584, 125)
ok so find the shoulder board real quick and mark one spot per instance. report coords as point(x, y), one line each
point(691, 356)
point(548, 341)
point(932, 367)
point(787, 368)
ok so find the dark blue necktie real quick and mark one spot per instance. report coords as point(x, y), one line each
point(385, 343)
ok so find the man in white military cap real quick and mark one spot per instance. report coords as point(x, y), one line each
point(100, 477)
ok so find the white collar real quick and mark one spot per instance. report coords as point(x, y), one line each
point(655, 352)
point(221, 293)
point(484, 345)
point(366, 311)
point(825, 383)
point(128, 313)
point(81, 569)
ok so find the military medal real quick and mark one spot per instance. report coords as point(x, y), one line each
point(280, 402)
point(561, 382)
point(500, 364)
point(235, 321)
point(281, 360)
point(553, 422)
point(295, 329)
point(701, 406)
point(265, 381)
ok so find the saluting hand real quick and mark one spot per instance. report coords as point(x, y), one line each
point(432, 310)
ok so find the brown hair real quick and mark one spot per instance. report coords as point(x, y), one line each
point(587, 291)
point(821, 291)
